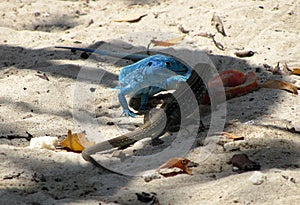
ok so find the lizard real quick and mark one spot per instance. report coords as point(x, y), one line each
point(147, 77)
point(162, 121)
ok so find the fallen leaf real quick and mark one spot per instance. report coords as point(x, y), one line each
point(296, 71)
point(243, 54)
point(243, 163)
point(183, 30)
point(232, 136)
point(282, 85)
point(169, 42)
point(76, 142)
point(217, 22)
point(286, 69)
point(205, 34)
point(275, 70)
point(44, 76)
point(131, 18)
point(182, 164)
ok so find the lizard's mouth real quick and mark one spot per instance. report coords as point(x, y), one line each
point(183, 71)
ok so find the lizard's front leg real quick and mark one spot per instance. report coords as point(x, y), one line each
point(123, 101)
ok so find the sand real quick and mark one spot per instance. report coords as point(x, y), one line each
point(77, 94)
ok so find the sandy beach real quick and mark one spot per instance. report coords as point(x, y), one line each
point(46, 91)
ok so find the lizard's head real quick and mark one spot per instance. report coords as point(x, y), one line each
point(166, 66)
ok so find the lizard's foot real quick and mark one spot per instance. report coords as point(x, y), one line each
point(128, 113)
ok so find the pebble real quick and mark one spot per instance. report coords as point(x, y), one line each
point(45, 142)
point(258, 178)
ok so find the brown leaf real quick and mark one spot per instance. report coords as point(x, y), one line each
point(205, 34)
point(217, 22)
point(76, 142)
point(182, 163)
point(169, 42)
point(131, 18)
point(243, 54)
point(183, 30)
point(44, 76)
point(232, 136)
point(282, 85)
point(286, 69)
point(243, 163)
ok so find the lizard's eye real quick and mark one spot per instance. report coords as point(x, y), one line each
point(168, 63)
point(150, 63)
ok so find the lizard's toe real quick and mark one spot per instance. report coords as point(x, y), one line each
point(129, 113)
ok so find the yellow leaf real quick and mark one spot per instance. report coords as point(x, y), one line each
point(296, 71)
point(76, 142)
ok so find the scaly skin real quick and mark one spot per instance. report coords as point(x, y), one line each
point(147, 77)
point(161, 122)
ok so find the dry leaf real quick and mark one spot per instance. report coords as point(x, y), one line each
point(183, 30)
point(169, 42)
point(217, 22)
point(232, 136)
point(44, 76)
point(243, 163)
point(181, 163)
point(205, 34)
point(275, 70)
point(296, 71)
point(243, 54)
point(282, 85)
point(286, 69)
point(76, 142)
point(131, 18)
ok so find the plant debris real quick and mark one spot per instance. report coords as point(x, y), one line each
point(13, 175)
point(183, 30)
point(182, 164)
point(131, 18)
point(167, 43)
point(147, 197)
point(76, 142)
point(282, 85)
point(232, 136)
point(44, 76)
point(217, 22)
point(243, 163)
point(243, 54)
point(212, 36)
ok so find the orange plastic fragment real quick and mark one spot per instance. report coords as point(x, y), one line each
point(236, 83)
point(229, 78)
point(248, 86)
point(76, 142)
